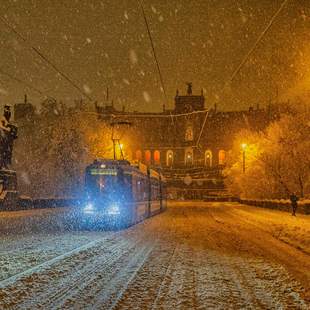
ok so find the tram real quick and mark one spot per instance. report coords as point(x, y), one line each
point(122, 194)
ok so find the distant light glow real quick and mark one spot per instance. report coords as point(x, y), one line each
point(113, 209)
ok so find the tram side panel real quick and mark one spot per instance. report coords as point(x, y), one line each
point(140, 189)
point(147, 194)
point(163, 190)
point(155, 197)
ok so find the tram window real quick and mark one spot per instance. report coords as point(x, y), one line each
point(138, 188)
point(155, 191)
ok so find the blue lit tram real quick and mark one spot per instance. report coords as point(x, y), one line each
point(121, 193)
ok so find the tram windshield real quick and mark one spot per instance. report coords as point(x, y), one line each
point(109, 184)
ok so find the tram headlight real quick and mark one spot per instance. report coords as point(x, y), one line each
point(114, 209)
point(89, 208)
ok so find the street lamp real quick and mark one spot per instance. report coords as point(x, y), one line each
point(115, 137)
point(243, 146)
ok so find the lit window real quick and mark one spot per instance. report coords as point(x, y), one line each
point(147, 156)
point(157, 157)
point(189, 135)
point(189, 156)
point(169, 159)
point(208, 158)
point(222, 157)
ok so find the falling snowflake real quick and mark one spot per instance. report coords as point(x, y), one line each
point(133, 57)
point(146, 96)
point(153, 9)
point(126, 81)
point(86, 89)
point(126, 15)
point(88, 40)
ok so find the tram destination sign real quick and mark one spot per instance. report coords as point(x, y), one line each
point(103, 171)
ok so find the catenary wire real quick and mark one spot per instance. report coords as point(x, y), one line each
point(42, 56)
point(244, 60)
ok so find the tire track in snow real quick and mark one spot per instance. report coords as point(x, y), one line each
point(154, 277)
point(84, 292)
point(163, 282)
point(81, 277)
point(195, 264)
point(33, 285)
point(119, 296)
point(49, 263)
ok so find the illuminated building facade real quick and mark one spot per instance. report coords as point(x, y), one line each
point(190, 141)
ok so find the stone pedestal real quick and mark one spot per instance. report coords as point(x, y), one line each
point(8, 190)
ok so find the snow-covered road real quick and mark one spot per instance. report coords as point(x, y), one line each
point(194, 256)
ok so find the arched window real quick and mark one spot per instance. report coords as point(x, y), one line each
point(189, 156)
point(208, 158)
point(222, 157)
point(169, 158)
point(147, 156)
point(157, 157)
point(138, 155)
point(189, 134)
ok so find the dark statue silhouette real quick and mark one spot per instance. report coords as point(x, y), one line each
point(8, 133)
point(189, 88)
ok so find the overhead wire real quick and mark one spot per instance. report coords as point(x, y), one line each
point(202, 129)
point(260, 37)
point(154, 52)
point(42, 56)
point(2, 72)
point(148, 115)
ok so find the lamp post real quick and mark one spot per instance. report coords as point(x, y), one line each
point(115, 137)
point(243, 146)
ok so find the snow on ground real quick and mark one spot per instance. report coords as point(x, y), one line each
point(194, 256)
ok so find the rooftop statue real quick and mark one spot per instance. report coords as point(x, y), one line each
point(189, 88)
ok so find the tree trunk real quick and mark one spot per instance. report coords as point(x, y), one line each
point(301, 186)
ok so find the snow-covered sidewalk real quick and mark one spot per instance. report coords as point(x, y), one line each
point(194, 256)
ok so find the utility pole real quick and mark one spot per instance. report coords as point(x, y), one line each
point(243, 146)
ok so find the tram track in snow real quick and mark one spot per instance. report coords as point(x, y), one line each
point(82, 277)
point(131, 278)
point(48, 263)
point(100, 263)
point(162, 283)
point(185, 259)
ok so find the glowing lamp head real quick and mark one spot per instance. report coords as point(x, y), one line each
point(244, 146)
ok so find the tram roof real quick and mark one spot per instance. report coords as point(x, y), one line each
point(124, 164)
